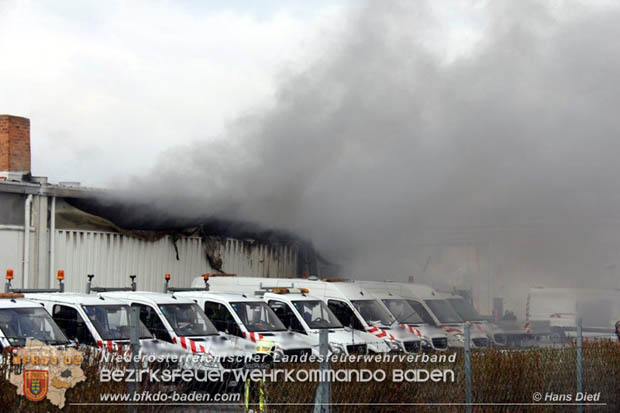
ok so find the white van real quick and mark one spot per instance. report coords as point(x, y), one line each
point(180, 321)
point(408, 318)
point(309, 315)
point(559, 308)
point(353, 306)
point(468, 313)
point(22, 319)
point(432, 337)
point(93, 320)
point(433, 306)
point(249, 318)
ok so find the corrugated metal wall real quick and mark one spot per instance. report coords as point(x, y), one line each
point(113, 257)
point(11, 253)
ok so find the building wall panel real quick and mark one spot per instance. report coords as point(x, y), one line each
point(12, 253)
point(113, 257)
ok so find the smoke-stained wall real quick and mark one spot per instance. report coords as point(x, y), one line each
point(112, 257)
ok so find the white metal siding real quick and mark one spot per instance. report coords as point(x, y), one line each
point(113, 257)
point(12, 253)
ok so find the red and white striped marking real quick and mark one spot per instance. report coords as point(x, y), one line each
point(189, 344)
point(379, 333)
point(412, 329)
point(111, 346)
point(449, 329)
point(254, 337)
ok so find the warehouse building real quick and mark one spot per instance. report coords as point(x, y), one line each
point(45, 227)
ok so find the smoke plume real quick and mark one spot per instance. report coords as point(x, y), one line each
point(391, 153)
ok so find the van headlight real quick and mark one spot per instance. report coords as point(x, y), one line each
point(395, 346)
point(336, 349)
point(460, 337)
point(278, 354)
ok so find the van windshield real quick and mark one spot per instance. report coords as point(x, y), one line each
point(188, 320)
point(419, 308)
point(403, 312)
point(443, 311)
point(257, 316)
point(465, 309)
point(316, 314)
point(372, 312)
point(112, 321)
point(20, 324)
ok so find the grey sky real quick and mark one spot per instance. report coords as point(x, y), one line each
point(110, 85)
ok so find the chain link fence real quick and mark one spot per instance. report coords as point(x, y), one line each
point(501, 380)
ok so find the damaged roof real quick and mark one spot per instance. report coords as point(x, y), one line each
point(143, 216)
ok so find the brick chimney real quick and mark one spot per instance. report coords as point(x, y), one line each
point(14, 147)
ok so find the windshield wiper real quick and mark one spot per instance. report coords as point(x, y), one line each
point(414, 322)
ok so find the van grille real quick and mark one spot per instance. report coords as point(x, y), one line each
point(481, 342)
point(441, 342)
point(357, 349)
point(412, 346)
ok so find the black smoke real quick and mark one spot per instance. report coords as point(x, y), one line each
point(381, 150)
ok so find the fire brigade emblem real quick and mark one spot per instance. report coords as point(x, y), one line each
point(36, 384)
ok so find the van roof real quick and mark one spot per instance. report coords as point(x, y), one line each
point(316, 287)
point(418, 291)
point(345, 289)
point(74, 298)
point(148, 297)
point(386, 295)
point(222, 296)
point(18, 303)
point(294, 296)
point(351, 290)
point(405, 290)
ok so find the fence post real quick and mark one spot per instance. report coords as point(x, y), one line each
point(468, 367)
point(579, 360)
point(324, 390)
point(134, 340)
